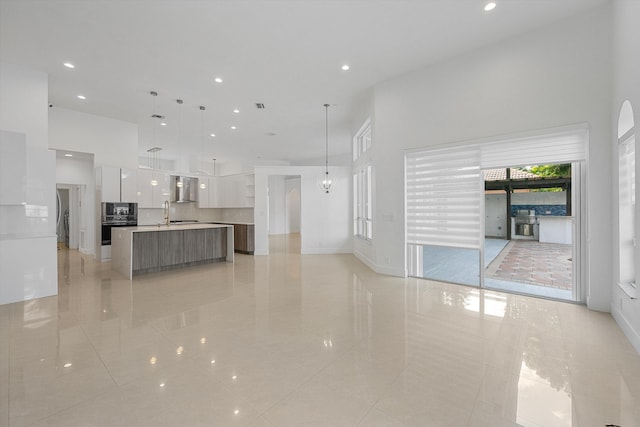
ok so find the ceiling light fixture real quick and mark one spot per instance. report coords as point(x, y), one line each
point(233, 128)
point(163, 123)
point(326, 182)
point(218, 80)
point(180, 103)
point(68, 155)
point(82, 97)
point(213, 135)
point(69, 65)
point(489, 6)
point(236, 111)
point(153, 152)
point(202, 110)
point(345, 67)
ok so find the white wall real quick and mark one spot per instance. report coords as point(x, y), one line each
point(70, 171)
point(554, 76)
point(23, 103)
point(277, 205)
point(28, 261)
point(112, 142)
point(626, 64)
point(325, 218)
point(292, 203)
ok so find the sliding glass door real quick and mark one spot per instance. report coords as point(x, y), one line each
point(444, 233)
point(446, 200)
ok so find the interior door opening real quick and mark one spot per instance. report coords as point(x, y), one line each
point(285, 214)
point(529, 230)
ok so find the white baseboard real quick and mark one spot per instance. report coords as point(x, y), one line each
point(391, 271)
point(386, 270)
point(632, 335)
point(325, 251)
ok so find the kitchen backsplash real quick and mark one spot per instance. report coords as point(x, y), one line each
point(226, 214)
point(190, 211)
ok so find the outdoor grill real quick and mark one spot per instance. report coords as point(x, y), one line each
point(524, 222)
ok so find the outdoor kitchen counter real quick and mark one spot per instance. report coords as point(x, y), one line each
point(152, 248)
point(556, 229)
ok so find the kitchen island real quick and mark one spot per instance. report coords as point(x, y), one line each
point(146, 249)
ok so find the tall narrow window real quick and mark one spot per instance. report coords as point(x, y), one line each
point(626, 199)
point(362, 184)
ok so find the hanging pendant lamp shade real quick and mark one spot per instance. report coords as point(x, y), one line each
point(326, 182)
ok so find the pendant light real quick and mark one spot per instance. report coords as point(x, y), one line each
point(326, 182)
point(153, 152)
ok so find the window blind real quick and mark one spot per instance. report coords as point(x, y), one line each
point(444, 188)
point(558, 147)
point(443, 191)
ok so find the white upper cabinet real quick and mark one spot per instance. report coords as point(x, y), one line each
point(236, 191)
point(153, 188)
point(129, 185)
point(208, 192)
point(249, 190)
point(161, 185)
point(13, 168)
point(144, 188)
point(108, 183)
point(213, 192)
point(203, 192)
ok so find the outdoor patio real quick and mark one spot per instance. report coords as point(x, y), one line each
point(535, 263)
point(522, 266)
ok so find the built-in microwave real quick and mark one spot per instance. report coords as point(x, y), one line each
point(119, 212)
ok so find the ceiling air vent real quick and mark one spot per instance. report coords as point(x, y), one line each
point(157, 116)
point(259, 105)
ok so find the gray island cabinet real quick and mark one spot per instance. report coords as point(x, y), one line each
point(147, 249)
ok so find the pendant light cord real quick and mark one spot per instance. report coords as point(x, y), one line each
point(326, 133)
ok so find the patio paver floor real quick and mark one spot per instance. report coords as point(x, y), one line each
point(525, 261)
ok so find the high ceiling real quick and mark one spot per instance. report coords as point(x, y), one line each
point(286, 54)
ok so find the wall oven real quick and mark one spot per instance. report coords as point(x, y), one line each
point(117, 214)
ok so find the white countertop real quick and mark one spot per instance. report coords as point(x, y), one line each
point(172, 227)
point(231, 222)
point(554, 217)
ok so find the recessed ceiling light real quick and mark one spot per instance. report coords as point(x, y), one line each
point(213, 135)
point(218, 80)
point(163, 124)
point(489, 6)
point(345, 67)
point(82, 97)
point(68, 155)
point(236, 111)
point(233, 128)
point(69, 65)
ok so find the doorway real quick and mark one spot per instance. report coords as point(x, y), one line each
point(450, 234)
point(529, 230)
point(285, 215)
point(69, 215)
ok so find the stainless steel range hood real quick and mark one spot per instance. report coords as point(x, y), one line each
point(184, 189)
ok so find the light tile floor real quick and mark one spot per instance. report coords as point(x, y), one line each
point(312, 340)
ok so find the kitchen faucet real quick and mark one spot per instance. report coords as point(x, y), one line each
point(165, 208)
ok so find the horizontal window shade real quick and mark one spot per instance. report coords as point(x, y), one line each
point(563, 147)
point(444, 186)
point(444, 197)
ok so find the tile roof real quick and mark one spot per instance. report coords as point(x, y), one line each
point(501, 174)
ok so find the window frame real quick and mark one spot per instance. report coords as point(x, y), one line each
point(363, 183)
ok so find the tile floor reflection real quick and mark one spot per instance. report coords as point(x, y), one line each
point(315, 340)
